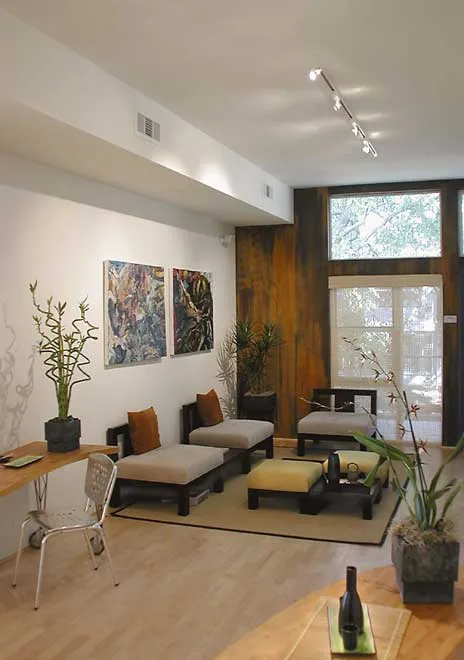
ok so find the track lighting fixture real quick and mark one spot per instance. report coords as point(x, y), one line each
point(339, 104)
point(314, 74)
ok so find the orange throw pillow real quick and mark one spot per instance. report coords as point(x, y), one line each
point(209, 408)
point(143, 428)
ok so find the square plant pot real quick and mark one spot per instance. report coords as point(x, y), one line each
point(425, 573)
point(63, 435)
point(259, 406)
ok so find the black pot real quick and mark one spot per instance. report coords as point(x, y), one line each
point(259, 406)
point(425, 574)
point(63, 435)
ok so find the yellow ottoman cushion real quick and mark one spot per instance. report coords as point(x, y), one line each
point(290, 476)
point(366, 460)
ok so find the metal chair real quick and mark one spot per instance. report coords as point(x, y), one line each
point(99, 483)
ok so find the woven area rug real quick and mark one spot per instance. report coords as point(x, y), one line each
point(340, 521)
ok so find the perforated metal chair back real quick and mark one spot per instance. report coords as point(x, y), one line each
point(99, 482)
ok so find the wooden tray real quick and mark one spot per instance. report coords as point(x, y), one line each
point(366, 643)
point(388, 626)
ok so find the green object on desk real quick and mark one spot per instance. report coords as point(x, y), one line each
point(22, 461)
point(366, 644)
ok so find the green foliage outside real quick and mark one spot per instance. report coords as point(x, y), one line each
point(385, 226)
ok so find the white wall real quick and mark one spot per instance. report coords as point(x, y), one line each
point(42, 74)
point(63, 245)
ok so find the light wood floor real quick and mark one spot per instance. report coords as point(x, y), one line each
point(184, 595)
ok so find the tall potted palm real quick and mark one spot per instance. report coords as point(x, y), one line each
point(425, 546)
point(243, 367)
point(65, 363)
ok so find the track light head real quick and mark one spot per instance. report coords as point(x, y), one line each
point(314, 74)
point(340, 105)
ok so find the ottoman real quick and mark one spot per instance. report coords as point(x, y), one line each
point(366, 461)
point(302, 480)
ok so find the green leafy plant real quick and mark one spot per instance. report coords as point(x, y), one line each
point(423, 507)
point(243, 360)
point(65, 359)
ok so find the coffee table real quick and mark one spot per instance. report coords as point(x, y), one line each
point(434, 632)
point(364, 496)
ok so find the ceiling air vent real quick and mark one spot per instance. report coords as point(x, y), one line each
point(148, 127)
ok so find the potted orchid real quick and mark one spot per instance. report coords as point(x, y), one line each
point(425, 546)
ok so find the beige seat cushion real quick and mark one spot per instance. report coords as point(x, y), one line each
point(292, 476)
point(174, 464)
point(336, 423)
point(232, 433)
point(366, 460)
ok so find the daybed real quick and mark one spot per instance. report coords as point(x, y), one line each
point(176, 467)
point(244, 436)
point(334, 416)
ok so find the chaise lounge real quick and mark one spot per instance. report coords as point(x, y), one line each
point(242, 437)
point(177, 467)
point(335, 415)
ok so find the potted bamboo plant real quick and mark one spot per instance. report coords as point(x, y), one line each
point(65, 364)
point(243, 361)
point(425, 546)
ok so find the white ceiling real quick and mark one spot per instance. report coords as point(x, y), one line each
point(236, 70)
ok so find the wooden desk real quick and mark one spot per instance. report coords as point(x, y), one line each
point(435, 632)
point(11, 479)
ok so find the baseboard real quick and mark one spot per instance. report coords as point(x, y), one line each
point(284, 442)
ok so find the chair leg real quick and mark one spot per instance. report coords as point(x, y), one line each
point(90, 549)
point(246, 463)
point(300, 447)
point(40, 573)
point(270, 448)
point(253, 500)
point(108, 553)
point(20, 549)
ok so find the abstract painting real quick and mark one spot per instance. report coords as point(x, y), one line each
point(192, 311)
point(135, 313)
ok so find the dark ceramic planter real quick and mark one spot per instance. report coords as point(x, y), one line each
point(259, 406)
point(63, 435)
point(425, 574)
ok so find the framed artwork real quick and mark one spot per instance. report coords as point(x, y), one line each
point(192, 308)
point(135, 316)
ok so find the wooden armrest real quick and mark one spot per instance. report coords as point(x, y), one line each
point(112, 435)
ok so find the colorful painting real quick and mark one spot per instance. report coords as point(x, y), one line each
point(192, 310)
point(135, 313)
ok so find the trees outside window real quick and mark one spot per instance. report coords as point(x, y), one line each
point(384, 226)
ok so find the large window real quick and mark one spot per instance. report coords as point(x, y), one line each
point(400, 318)
point(384, 226)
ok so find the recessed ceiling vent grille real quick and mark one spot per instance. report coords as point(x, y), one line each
point(268, 191)
point(148, 127)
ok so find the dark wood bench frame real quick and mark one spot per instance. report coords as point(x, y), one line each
point(182, 490)
point(310, 502)
point(345, 400)
point(191, 421)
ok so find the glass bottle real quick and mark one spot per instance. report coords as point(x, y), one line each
point(350, 604)
point(333, 471)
